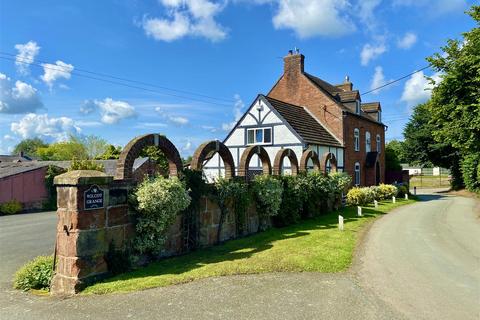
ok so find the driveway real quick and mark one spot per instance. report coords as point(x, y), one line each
point(420, 261)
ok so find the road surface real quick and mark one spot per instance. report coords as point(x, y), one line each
point(419, 262)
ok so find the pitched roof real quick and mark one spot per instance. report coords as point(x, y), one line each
point(13, 168)
point(371, 107)
point(342, 96)
point(14, 158)
point(304, 124)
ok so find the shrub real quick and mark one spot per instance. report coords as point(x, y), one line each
point(360, 196)
point(292, 201)
point(11, 207)
point(85, 165)
point(319, 187)
point(402, 191)
point(470, 168)
point(159, 200)
point(386, 191)
point(36, 274)
point(340, 182)
point(268, 197)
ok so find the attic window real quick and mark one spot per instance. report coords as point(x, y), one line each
point(357, 107)
point(259, 136)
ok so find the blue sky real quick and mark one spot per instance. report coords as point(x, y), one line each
point(204, 49)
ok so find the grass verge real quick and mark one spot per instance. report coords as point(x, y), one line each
point(311, 245)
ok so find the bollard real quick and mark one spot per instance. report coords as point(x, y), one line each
point(375, 202)
point(359, 211)
point(415, 191)
point(393, 199)
point(406, 196)
point(340, 223)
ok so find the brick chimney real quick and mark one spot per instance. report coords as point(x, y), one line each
point(346, 85)
point(293, 63)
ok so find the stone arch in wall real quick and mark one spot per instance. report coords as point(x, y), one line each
point(247, 155)
point(278, 162)
point(133, 149)
point(328, 156)
point(207, 150)
point(306, 155)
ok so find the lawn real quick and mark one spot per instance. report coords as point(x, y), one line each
point(311, 245)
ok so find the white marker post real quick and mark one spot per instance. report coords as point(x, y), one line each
point(359, 211)
point(340, 223)
point(375, 202)
point(393, 199)
point(406, 196)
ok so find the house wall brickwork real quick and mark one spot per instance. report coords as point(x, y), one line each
point(367, 175)
point(296, 88)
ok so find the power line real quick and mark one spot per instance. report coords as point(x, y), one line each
point(396, 80)
point(76, 70)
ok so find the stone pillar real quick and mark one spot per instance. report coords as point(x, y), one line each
point(82, 227)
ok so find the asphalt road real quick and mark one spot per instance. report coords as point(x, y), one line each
point(420, 261)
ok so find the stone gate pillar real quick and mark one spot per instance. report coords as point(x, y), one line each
point(82, 237)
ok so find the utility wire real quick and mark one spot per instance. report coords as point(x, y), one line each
point(63, 69)
point(396, 80)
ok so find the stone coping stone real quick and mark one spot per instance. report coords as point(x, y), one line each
point(83, 177)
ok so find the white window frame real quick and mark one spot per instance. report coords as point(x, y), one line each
point(357, 173)
point(356, 139)
point(368, 142)
point(255, 142)
point(379, 144)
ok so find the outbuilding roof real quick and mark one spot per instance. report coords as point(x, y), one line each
point(304, 124)
point(12, 168)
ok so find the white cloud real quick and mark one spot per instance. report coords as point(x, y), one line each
point(407, 41)
point(111, 111)
point(53, 72)
point(175, 119)
point(178, 120)
point(40, 125)
point(187, 147)
point(366, 14)
point(378, 79)
point(186, 18)
point(19, 97)
point(26, 55)
point(417, 89)
point(313, 18)
point(371, 52)
point(237, 112)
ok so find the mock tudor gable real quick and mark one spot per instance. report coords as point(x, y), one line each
point(275, 125)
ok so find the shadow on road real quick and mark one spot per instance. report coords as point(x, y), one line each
point(430, 197)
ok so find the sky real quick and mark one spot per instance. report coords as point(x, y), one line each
point(190, 68)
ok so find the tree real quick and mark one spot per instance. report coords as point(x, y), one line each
point(111, 152)
point(392, 163)
point(420, 147)
point(64, 150)
point(155, 154)
point(29, 147)
point(455, 102)
point(94, 146)
point(398, 147)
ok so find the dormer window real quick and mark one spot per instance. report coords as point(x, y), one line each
point(357, 107)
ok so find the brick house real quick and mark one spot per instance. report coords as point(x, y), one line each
point(303, 112)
